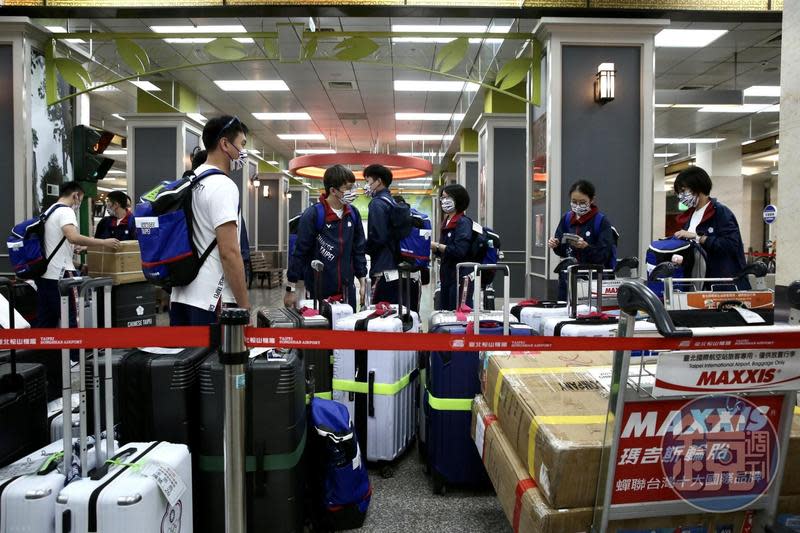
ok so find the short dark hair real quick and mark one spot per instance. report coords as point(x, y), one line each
point(459, 195)
point(583, 186)
point(198, 157)
point(379, 172)
point(69, 187)
point(118, 197)
point(695, 179)
point(225, 126)
point(336, 176)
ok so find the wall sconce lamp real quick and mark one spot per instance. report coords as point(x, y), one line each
point(604, 83)
point(288, 196)
point(266, 191)
point(256, 183)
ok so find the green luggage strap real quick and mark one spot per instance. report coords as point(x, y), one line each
point(324, 395)
point(384, 389)
point(279, 461)
point(449, 404)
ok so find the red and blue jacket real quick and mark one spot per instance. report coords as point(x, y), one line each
point(595, 229)
point(338, 243)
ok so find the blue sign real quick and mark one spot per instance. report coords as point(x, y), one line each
point(770, 214)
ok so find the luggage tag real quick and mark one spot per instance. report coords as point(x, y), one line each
point(480, 434)
point(162, 351)
point(749, 316)
point(167, 479)
point(29, 467)
point(391, 275)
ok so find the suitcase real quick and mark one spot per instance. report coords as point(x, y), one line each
point(319, 360)
point(157, 392)
point(332, 309)
point(120, 498)
point(23, 400)
point(275, 441)
point(50, 359)
point(452, 381)
point(55, 416)
point(379, 387)
point(28, 501)
point(533, 312)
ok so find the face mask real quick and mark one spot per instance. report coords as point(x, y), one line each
point(687, 198)
point(349, 197)
point(110, 211)
point(368, 190)
point(448, 205)
point(238, 163)
point(580, 209)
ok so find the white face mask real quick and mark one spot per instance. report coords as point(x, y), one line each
point(687, 198)
point(239, 161)
point(580, 209)
point(110, 211)
point(448, 205)
point(349, 197)
point(368, 190)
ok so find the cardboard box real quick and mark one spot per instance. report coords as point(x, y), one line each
point(528, 512)
point(123, 265)
point(553, 411)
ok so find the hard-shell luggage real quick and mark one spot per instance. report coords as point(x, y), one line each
point(157, 392)
point(146, 486)
point(55, 416)
point(23, 400)
point(379, 387)
point(275, 441)
point(533, 312)
point(50, 359)
point(452, 380)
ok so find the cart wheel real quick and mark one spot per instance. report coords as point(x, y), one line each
point(439, 486)
point(387, 472)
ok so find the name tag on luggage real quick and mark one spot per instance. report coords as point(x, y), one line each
point(749, 316)
point(167, 479)
point(23, 468)
point(391, 275)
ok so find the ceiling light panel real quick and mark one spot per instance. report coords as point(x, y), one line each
point(145, 85)
point(301, 136)
point(252, 85)
point(315, 151)
point(429, 116)
point(674, 38)
point(465, 29)
point(744, 108)
point(282, 116)
point(687, 140)
point(423, 137)
point(763, 90)
point(197, 117)
point(672, 154)
point(61, 29)
point(434, 86)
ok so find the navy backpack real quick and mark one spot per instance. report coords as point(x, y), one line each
point(598, 222)
point(687, 257)
point(344, 492)
point(164, 224)
point(26, 251)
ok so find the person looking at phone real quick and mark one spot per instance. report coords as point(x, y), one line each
point(583, 233)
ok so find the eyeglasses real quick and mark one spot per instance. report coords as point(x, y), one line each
point(232, 122)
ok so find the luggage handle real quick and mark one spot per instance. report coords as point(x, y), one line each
point(631, 263)
point(101, 469)
point(633, 297)
point(404, 271)
point(478, 295)
point(12, 378)
point(317, 267)
point(572, 275)
point(371, 394)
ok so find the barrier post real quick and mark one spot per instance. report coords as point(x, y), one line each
point(233, 355)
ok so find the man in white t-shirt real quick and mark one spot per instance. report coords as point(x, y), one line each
point(215, 207)
point(62, 239)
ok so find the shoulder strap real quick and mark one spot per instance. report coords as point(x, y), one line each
point(598, 221)
point(319, 216)
point(566, 221)
point(197, 178)
point(44, 216)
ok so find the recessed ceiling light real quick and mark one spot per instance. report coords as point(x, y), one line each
point(197, 117)
point(122, 151)
point(274, 163)
point(252, 85)
point(434, 86)
point(61, 29)
point(763, 90)
point(282, 116)
point(744, 108)
point(224, 28)
point(672, 154)
point(421, 154)
point(465, 29)
point(673, 38)
point(145, 85)
point(116, 172)
point(117, 116)
point(774, 172)
point(688, 140)
point(301, 136)
point(203, 40)
point(749, 141)
point(429, 116)
point(315, 151)
point(423, 137)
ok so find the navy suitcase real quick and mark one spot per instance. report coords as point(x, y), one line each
point(452, 381)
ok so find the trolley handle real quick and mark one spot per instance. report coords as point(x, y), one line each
point(662, 270)
point(627, 262)
point(564, 264)
point(89, 284)
point(633, 297)
point(572, 277)
point(506, 270)
point(757, 269)
point(67, 284)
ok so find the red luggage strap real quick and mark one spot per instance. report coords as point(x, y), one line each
point(597, 316)
point(529, 303)
point(463, 312)
point(308, 311)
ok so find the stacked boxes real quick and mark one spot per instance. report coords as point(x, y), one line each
point(123, 265)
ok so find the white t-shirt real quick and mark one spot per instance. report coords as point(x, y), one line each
point(697, 216)
point(53, 233)
point(215, 202)
point(339, 212)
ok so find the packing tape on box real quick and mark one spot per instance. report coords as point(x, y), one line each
point(523, 486)
point(532, 371)
point(305, 339)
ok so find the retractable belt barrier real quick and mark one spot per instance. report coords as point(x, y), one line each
point(201, 336)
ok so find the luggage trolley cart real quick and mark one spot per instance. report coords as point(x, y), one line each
point(696, 428)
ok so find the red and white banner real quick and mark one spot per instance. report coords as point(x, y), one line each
point(717, 453)
point(694, 373)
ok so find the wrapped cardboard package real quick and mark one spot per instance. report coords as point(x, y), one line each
point(123, 265)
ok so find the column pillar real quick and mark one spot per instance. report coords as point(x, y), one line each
point(611, 144)
point(788, 245)
point(659, 202)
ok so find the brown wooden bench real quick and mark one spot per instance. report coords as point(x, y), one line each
point(266, 265)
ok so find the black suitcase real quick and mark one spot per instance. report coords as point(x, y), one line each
point(718, 318)
point(132, 305)
point(23, 401)
point(50, 359)
point(275, 441)
point(283, 317)
point(158, 395)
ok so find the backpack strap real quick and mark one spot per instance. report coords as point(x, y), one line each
point(44, 216)
point(194, 181)
point(566, 221)
point(598, 221)
point(319, 216)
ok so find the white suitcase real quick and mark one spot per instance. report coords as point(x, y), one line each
point(127, 499)
point(582, 327)
point(55, 417)
point(339, 310)
point(533, 316)
point(385, 420)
